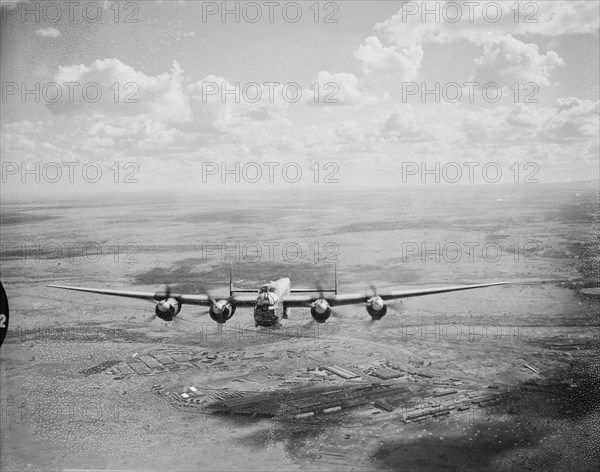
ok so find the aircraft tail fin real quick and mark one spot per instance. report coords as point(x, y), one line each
point(230, 279)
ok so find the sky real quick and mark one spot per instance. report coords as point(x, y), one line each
point(320, 93)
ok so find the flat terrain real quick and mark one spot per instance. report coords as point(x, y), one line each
point(85, 377)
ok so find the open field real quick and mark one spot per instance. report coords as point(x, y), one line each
point(82, 374)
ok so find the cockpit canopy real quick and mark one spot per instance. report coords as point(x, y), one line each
point(270, 288)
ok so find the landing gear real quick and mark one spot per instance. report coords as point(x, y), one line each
point(287, 311)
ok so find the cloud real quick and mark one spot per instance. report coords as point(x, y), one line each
point(440, 22)
point(573, 119)
point(49, 32)
point(526, 116)
point(403, 126)
point(366, 126)
point(570, 121)
point(388, 66)
point(260, 115)
point(348, 132)
point(221, 107)
point(395, 52)
point(24, 126)
point(383, 68)
point(341, 88)
point(20, 135)
point(489, 129)
point(506, 60)
point(557, 18)
point(439, 124)
point(109, 87)
point(289, 144)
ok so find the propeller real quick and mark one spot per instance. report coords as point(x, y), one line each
point(334, 313)
point(320, 305)
point(160, 303)
point(319, 290)
point(218, 306)
point(375, 305)
point(212, 300)
point(374, 293)
point(165, 295)
point(158, 297)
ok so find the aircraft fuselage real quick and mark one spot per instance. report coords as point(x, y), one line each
point(269, 308)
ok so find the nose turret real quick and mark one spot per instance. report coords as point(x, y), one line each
point(265, 299)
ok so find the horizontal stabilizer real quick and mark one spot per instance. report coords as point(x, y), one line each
point(311, 290)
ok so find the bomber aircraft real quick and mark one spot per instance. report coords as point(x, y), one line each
point(273, 300)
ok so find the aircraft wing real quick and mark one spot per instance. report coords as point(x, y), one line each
point(201, 299)
point(362, 297)
point(292, 300)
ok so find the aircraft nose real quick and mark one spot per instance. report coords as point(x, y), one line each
point(263, 318)
point(266, 299)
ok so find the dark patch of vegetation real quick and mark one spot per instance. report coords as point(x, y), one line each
point(100, 367)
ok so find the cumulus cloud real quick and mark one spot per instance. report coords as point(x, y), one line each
point(527, 116)
point(441, 22)
point(172, 115)
point(111, 87)
point(388, 66)
point(258, 117)
point(395, 53)
point(341, 88)
point(488, 127)
point(20, 135)
point(573, 119)
point(383, 69)
point(439, 124)
point(507, 60)
point(403, 126)
point(557, 18)
point(211, 110)
point(570, 121)
point(234, 109)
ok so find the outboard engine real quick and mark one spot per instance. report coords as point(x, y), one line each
point(376, 308)
point(167, 309)
point(320, 310)
point(221, 311)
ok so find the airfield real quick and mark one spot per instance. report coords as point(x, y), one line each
point(501, 378)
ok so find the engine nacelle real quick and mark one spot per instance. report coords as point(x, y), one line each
point(221, 311)
point(320, 311)
point(376, 308)
point(167, 309)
